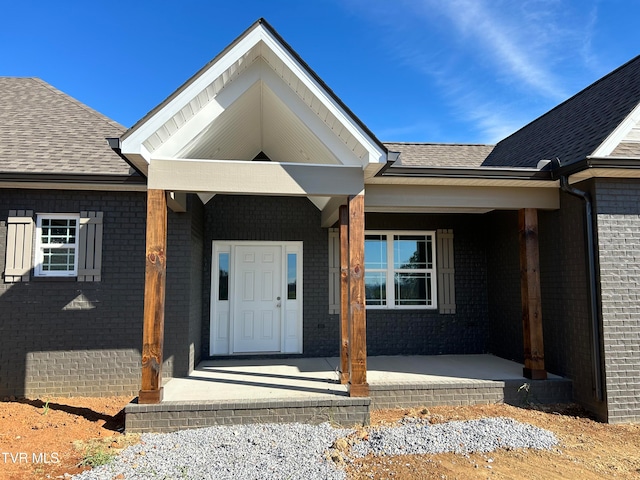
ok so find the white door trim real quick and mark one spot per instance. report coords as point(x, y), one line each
point(222, 310)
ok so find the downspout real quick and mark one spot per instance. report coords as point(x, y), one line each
point(593, 281)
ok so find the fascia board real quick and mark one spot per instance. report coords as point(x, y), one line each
point(151, 125)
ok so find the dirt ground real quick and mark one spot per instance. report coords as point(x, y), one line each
point(40, 440)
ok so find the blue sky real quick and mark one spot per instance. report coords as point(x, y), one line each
point(465, 71)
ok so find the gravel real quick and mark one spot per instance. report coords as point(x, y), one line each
point(298, 451)
point(283, 451)
point(417, 436)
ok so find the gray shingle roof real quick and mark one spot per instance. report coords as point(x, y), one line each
point(43, 130)
point(575, 128)
point(440, 154)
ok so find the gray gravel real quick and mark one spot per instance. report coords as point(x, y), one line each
point(297, 451)
point(283, 451)
point(485, 435)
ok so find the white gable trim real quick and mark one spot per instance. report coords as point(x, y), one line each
point(202, 91)
point(619, 134)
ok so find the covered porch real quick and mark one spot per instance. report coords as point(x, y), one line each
point(272, 191)
point(309, 390)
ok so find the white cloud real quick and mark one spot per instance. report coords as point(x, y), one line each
point(490, 58)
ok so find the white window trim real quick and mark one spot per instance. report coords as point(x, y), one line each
point(390, 270)
point(39, 250)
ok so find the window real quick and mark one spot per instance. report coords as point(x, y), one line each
point(66, 245)
point(400, 269)
point(223, 276)
point(56, 252)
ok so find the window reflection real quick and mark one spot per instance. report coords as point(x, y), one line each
point(292, 282)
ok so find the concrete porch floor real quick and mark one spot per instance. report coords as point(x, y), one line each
point(217, 380)
point(223, 392)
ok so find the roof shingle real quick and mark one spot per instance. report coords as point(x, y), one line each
point(43, 130)
point(574, 129)
point(440, 155)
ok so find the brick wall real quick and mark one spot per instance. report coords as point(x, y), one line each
point(618, 223)
point(426, 332)
point(503, 278)
point(76, 338)
point(183, 302)
point(197, 270)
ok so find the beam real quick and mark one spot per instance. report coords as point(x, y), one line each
point(357, 315)
point(255, 178)
point(384, 198)
point(154, 295)
point(344, 295)
point(530, 293)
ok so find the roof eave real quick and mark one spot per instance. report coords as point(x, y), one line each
point(62, 181)
point(604, 163)
point(470, 173)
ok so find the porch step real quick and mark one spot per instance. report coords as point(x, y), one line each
point(342, 410)
point(178, 415)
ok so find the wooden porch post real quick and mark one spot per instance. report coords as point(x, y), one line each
point(357, 315)
point(154, 294)
point(530, 292)
point(344, 295)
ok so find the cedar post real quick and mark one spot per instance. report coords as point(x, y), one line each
point(344, 295)
point(154, 294)
point(357, 316)
point(530, 292)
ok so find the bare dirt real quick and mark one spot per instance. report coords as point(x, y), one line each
point(40, 440)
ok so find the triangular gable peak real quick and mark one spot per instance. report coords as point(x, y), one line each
point(624, 141)
point(256, 96)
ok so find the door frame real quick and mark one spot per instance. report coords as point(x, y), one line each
point(221, 324)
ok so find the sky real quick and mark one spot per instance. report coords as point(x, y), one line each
point(446, 71)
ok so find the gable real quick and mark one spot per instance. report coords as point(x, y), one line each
point(256, 96)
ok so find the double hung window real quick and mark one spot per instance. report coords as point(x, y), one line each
point(56, 252)
point(400, 269)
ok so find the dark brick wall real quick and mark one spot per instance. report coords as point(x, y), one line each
point(183, 304)
point(565, 298)
point(80, 338)
point(197, 270)
point(503, 279)
point(618, 223)
point(229, 217)
point(426, 332)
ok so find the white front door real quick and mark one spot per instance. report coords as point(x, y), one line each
point(258, 299)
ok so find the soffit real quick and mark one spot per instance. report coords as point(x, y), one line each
point(260, 121)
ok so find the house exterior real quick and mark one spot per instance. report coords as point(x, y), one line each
point(252, 213)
